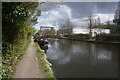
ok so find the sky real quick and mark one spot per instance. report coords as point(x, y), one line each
point(56, 14)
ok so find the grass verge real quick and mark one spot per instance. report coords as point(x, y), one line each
point(43, 64)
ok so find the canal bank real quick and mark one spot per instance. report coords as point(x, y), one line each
point(89, 40)
point(46, 69)
point(93, 41)
point(113, 39)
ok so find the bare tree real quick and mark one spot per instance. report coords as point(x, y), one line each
point(90, 24)
point(98, 21)
point(67, 26)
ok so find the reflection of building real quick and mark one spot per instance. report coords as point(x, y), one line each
point(117, 20)
point(65, 31)
point(47, 30)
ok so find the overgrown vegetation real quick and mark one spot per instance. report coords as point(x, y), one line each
point(44, 65)
point(17, 21)
point(12, 56)
point(73, 36)
point(108, 37)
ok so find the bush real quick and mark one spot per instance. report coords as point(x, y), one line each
point(16, 32)
point(108, 37)
point(11, 54)
point(80, 36)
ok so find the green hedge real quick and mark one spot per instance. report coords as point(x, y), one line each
point(16, 33)
point(108, 37)
point(80, 36)
point(12, 52)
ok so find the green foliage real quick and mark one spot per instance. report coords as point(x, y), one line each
point(108, 25)
point(16, 16)
point(16, 20)
point(108, 37)
point(11, 54)
point(16, 12)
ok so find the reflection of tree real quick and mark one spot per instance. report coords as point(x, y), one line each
point(90, 24)
point(115, 54)
point(51, 41)
point(89, 52)
point(65, 45)
point(67, 26)
point(107, 50)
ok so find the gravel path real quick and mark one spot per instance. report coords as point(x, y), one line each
point(29, 67)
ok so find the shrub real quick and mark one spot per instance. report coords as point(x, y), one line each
point(16, 32)
point(11, 54)
point(108, 37)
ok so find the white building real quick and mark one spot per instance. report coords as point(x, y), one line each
point(94, 31)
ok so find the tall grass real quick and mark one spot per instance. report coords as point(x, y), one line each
point(44, 65)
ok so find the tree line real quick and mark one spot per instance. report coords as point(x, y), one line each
point(17, 21)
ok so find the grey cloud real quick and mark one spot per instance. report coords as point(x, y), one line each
point(83, 9)
point(48, 5)
point(106, 7)
point(78, 11)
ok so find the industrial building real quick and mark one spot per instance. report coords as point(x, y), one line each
point(45, 30)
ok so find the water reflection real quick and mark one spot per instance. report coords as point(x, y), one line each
point(75, 59)
point(104, 54)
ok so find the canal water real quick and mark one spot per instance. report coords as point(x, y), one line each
point(76, 59)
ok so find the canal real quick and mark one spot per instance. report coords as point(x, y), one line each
point(76, 59)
